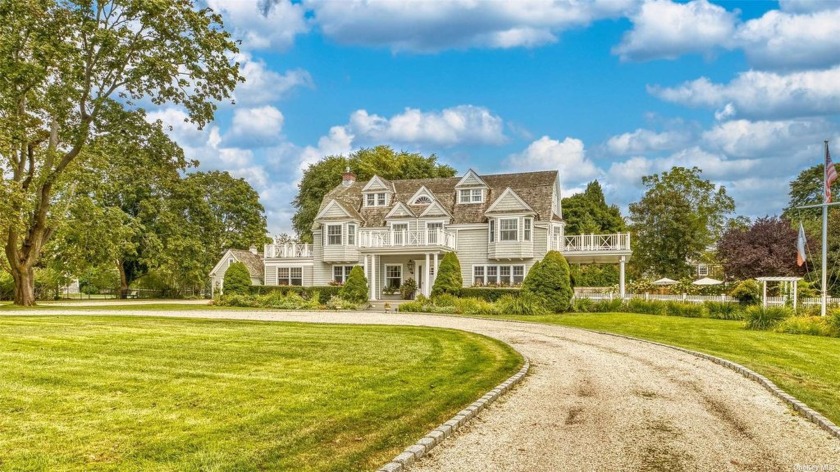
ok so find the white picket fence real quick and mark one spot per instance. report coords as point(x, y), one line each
point(698, 298)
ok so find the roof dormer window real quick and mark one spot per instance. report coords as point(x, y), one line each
point(376, 199)
point(423, 200)
point(471, 195)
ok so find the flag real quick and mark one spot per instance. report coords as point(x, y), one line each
point(800, 246)
point(830, 174)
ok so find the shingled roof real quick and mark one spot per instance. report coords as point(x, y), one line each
point(252, 261)
point(535, 188)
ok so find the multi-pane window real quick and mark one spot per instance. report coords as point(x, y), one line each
point(503, 275)
point(471, 195)
point(333, 234)
point(508, 229)
point(432, 232)
point(492, 230)
point(393, 276)
point(380, 199)
point(422, 200)
point(376, 199)
point(351, 235)
point(526, 232)
point(290, 276)
point(370, 200)
point(340, 273)
point(400, 233)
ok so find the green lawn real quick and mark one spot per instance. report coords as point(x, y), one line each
point(118, 393)
point(807, 367)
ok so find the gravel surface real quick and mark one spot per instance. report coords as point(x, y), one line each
point(597, 402)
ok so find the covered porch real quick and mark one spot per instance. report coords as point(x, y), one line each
point(388, 269)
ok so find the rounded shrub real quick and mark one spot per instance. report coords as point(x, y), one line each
point(237, 279)
point(448, 280)
point(355, 289)
point(549, 281)
point(748, 292)
point(763, 318)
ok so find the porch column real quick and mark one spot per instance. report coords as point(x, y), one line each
point(427, 285)
point(764, 293)
point(436, 271)
point(367, 275)
point(621, 276)
point(373, 277)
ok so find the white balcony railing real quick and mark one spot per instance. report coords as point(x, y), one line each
point(287, 250)
point(591, 243)
point(386, 238)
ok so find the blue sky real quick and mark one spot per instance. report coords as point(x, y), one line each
point(608, 89)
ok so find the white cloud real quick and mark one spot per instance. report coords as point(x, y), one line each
point(265, 24)
point(663, 29)
point(568, 156)
point(785, 40)
point(744, 138)
point(463, 124)
point(255, 127)
point(643, 140)
point(756, 94)
point(807, 6)
point(339, 141)
point(427, 26)
point(263, 85)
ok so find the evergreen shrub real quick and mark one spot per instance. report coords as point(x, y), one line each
point(490, 294)
point(748, 292)
point(355, 289)
point(549, 281)
point(448, 280)
point(237, 279)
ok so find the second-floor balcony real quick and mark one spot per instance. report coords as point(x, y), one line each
point(592, 244)
point(416, 238)
point(288, 251)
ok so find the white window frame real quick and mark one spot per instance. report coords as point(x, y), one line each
point(385, 274)
point(527, 229)
point(422, 200)
point(351, 234)
point(345, 272)
point(475, 195)
point(292, 274)
point(514, 230)
point(340, 235)
point(376, 199)
point(702, 270)
point(481, 274)
point(430, 237)
point(399, 237)
point(492, 225)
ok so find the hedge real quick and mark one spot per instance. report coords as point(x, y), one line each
point(490, 294)
point(324, 292)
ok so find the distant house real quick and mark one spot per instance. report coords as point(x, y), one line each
point(499, 225)
point(252, 260)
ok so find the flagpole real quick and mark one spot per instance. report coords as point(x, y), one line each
point(825, 237)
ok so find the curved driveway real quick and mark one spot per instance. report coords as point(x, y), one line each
point(598, 402)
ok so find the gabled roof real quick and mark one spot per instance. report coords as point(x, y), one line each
point(376, 183)
point(400, 210)
point(419, 193)
point(435, 209)
point(334, 209)
point(533, 188)
point(509, 202)
point(471, 179)
point(254, 262)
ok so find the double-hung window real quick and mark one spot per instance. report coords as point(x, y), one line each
point(478, 275)
point(492, 230)
point(526, 233)
point(351, 235)
point(333, 235)
point(290, 276)
point(376, 199)
point(471, 195)
point(509, 229)
point(340, 273)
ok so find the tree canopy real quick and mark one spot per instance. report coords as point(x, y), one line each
point(766, 248)
point(679, 216)
point(588, 212)
point(64, 63)
point(383, 161)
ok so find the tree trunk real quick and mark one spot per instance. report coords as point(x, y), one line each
point(123, 280)
point(24, 286)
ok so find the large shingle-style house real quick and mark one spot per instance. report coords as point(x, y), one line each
point(498, 225)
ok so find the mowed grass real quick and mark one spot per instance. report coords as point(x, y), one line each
point(807, 367)
point(118, 393)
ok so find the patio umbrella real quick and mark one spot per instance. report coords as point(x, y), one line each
point(665, 281)
point(706, 281)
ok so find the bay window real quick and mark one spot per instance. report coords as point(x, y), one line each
point(509, 229)
point(333, 235)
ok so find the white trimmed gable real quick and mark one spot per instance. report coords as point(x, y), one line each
point(471, 179)
point(422, 192)
point(333, 210)
point(376, 184)
point(435, 209)
point(224, 262)
point(400, 211)
point(509, 202)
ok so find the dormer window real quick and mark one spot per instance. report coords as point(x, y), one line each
point(423, 200)
point(376, 199)
point(471, 195)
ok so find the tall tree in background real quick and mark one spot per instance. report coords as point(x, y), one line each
point(679, 216)
point(62, 62)
point(588, 212)
point(383, 161)
point(766, 248)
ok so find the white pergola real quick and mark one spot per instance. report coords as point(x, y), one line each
point(786, 283)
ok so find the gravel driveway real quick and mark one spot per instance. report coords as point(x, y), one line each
point(598, 402)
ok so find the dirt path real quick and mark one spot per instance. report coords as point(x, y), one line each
point(597, 402)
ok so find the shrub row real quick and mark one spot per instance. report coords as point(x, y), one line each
point(286, 300)
point(490, 294)
point(325, 293)
point(524, 304)
point(718, 310)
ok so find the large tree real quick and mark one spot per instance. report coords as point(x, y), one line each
point(383, 161)
point(679, 216)
point(766, 248)
point(62, 63)
point(588, 212)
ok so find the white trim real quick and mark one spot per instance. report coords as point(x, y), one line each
point(375, 179)
point(341, 235)
point(225, 258)
point(330, 205)
point(375, 194)
point(519, 199)
point(471, 190)
point(433, 205)
point(422, 191)
point(404, 207)
point(466, 176)
point(385, 274)
point(498, 273)
point(517, 220)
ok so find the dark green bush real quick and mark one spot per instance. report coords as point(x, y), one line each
point(593, 275)
point(526, 304)
point(448, 279)
point(549, 281)
point(323, 293)
point(638, 305)
point(748, 292)
point(724, 311)
point(490, 294)
point(761, 318)
point(355, 289)
point(408, 288)
point(687, 310)
point(237, 279)
point(609, 306)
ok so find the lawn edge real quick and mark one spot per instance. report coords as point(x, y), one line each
point(436, 436)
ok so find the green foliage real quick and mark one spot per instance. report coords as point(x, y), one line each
point(638, 305)
point(407, 289)
point(687, 310)
point(448, 279)
point(95, 280)
point(748, 292)
point(764, 318)
point(276, 300)
point(678, 217)
point(7, 286)
point(593, 275)
point(322, 294)
point(526, 304)
point(550, 282)
point(237, 279)
point(724, 311)
point(490, 294)
point(588, 212)
point(641, 285)
point(355, 289)
point(339, 303)
point(811, 325)
point(323, 176)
